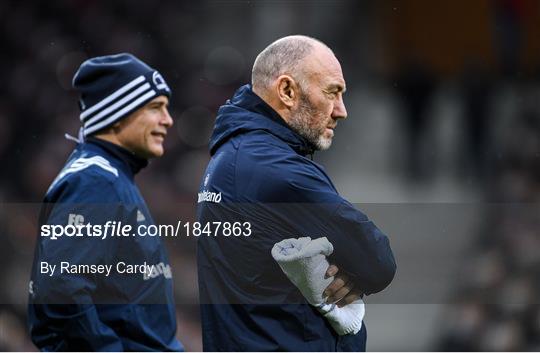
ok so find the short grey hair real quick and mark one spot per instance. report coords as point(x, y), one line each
point(281, 57)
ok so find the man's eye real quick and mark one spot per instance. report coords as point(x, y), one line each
point(331, 94)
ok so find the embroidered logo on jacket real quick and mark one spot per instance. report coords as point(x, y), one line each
point(209, 196)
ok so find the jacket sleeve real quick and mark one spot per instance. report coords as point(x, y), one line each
point(62, 309)
point(317, 210)
point(361, 249)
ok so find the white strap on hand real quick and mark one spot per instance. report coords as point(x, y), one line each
point(304, 262)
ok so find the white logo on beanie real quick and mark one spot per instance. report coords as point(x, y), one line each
point(159, 82)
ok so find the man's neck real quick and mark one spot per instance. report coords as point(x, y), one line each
point(109, 137)
point(274, 104)
point(134, 162)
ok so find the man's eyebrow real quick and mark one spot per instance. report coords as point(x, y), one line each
point(158, 103)
point(338, 87)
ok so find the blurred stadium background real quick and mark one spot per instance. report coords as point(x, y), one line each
point(441, 146)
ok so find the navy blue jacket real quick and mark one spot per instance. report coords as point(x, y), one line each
point(260, 174)
point(74, 311)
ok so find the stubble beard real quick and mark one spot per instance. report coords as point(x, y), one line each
point(306, 121)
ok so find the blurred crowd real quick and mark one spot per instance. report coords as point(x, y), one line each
point(205, 51)
point(496, 307)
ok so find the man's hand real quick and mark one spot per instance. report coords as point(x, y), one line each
point(341, 290)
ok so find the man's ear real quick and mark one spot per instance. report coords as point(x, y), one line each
point(287, 90)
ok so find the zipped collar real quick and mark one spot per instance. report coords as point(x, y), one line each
point(248, 112)
point(129, 159)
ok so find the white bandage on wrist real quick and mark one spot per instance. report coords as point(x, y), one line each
point(304, 262)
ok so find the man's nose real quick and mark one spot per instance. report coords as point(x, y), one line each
point(167, 119)
point(339, 112)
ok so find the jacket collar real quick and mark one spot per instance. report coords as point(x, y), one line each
point(133, 163)
point(246, 111)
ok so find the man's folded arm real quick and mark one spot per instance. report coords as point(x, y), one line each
point(317, 210)
point(361, 249)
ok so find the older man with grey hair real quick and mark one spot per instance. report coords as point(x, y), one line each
point(267, 186)
point(298, 64)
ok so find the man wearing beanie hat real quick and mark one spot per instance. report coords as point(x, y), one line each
point(93, 286)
